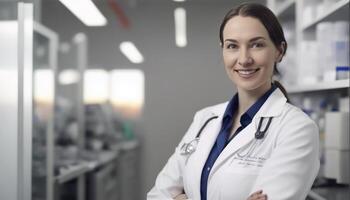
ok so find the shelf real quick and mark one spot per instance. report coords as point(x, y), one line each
point(286, 9)
point(128, 145)
point(339, 84)
point(332, 14)
point(72, 172)
point(102, 158)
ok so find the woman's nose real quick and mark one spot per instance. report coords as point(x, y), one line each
point(245, 59)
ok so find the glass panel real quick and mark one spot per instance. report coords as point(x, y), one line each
point(43, 90)
point(67, 132)
point(66, 128)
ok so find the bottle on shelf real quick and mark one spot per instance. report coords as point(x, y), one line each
point(324, 37)
point(341, 46)
point(309, 73)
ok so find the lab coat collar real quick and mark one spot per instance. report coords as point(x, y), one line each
point(271, 108)
point(273, 105)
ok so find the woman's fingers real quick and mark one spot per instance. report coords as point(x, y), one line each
point(181, 197)
point(262, 197)
point(258, 195)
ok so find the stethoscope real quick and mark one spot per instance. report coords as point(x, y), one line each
point(190, 147)
point(259, 135)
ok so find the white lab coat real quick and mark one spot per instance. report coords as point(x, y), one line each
point(284, 164)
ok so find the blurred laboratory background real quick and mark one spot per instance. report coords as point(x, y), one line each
point(96, 94)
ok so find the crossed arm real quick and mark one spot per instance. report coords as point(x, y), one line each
point(258, 195)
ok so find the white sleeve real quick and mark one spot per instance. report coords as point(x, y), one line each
point(293, 166)
point(169, 182)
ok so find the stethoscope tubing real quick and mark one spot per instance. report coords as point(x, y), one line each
point(204, 125)
point(259, 135)
point(189, 148)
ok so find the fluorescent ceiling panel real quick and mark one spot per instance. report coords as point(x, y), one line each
point(180, 27)
point(86, 11)
point(131, 52)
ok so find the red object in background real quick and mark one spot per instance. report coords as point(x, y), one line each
point(122, 18)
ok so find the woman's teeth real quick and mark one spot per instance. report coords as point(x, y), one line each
point(247, 72)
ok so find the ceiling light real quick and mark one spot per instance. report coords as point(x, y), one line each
point(131, 52)
point(180, 27)
point(179, 0)
point(86, 11)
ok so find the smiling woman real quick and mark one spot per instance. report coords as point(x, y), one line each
point(231, 159)
point(249, 54)
point(254, 41)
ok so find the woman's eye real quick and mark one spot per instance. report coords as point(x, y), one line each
point(231, 46)
point(257, 45)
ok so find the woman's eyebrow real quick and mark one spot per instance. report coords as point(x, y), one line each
point(257, 38)
point(230, 40)
point(251, 40)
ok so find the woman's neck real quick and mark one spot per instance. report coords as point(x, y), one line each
point(247, 98)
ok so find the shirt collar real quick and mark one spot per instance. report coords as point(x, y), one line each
point(247, 117)
point(231, 107)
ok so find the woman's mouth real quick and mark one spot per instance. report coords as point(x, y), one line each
point(246, 73)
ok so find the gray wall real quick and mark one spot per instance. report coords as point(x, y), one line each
point(179, 81)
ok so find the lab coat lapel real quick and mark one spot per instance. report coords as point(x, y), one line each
point(271, 108)
point(206, 142)
point(240, 140)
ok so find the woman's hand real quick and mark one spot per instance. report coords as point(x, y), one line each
point(258, 195)
point(181, 197)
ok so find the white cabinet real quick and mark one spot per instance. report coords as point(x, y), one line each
point(16, 31)
point(309, 73)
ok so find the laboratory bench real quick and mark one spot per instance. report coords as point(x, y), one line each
point(330, 193)
point(108, 175)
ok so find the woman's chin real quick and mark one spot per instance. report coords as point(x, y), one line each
point(251, 86)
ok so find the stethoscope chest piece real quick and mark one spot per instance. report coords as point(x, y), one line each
point(189, 148)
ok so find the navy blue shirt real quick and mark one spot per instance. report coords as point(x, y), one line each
point(223, 138)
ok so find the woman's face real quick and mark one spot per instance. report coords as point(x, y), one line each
point(249, 54)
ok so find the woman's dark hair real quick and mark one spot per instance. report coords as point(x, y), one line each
point(270, 22)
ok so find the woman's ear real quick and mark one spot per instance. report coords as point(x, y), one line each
point(282, 51)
